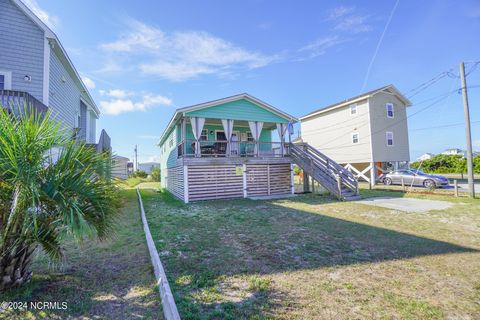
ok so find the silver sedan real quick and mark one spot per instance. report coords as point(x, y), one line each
point(413, 177)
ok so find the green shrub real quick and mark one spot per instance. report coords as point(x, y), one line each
point(155, 174)
point(442, 163)
point(139, 174)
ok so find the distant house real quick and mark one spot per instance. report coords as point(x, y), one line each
point(426, 156)
point(120, 167)
point(367, 134)
point(148, 166)
point(455, 151)
point(35, 69)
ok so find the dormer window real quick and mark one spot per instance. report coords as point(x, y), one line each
point(390, 112)
point(353, 109)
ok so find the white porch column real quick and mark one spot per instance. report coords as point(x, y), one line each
point(373, 170)
point(184, 137)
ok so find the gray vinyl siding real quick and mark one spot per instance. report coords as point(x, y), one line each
point(93, 128)
point(381, 124)
point(331, 133)
point(64, 93)
point(22, 45)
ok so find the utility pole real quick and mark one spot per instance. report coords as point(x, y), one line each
point(136, 158)
point(468, 133)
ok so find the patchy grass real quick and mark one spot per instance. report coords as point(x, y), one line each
point(98, 280)
point(311, 257)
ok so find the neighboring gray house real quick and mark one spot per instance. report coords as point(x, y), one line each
point(426, 156)
point(367, 134)
point(148, 166)
point(120, 167)
point(34, 67)
point(455, 151)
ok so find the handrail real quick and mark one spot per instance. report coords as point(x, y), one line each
point(327, 169)
point(14, 98)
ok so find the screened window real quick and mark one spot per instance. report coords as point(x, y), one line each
point(353, 109)
point(390, 112)
point(2, 82)
point(355, 138)
point(389, 136)
point(204, 135)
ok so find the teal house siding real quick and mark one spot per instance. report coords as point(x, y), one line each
point(238, 110)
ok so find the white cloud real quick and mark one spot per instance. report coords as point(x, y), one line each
point(50, 20)
point(179, 56)
point(340, 12)
point(120, 103)
point(348, 20)
point(148, 137)
point(89, 83)
point(320, 46)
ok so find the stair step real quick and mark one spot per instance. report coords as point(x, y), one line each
point(352, 198)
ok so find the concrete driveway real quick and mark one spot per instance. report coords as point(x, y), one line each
point(406, 204)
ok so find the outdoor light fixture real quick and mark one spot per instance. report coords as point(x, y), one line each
point(27, 78)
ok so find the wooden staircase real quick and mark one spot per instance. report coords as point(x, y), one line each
point(335, 178)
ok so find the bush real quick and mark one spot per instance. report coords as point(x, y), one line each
point(139, 174)
point(442, 163)
point(155, 174)
point(296, 170)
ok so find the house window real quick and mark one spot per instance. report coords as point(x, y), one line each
point(355, 137)
point(5, 80)
point(389, 107)
point(204, 135)
point(249, 136)
point(389, 136)
point(353, 109)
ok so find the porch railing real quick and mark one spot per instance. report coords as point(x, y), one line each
point(222, 148)
point(13, 100)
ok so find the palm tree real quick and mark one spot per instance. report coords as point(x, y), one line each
point(49, 186)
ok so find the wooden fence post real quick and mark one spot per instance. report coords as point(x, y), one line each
point(403, 185)
point(455, 186)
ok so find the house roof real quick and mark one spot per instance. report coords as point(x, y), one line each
point(388, 88)
point(49, 34)
point(179, 113)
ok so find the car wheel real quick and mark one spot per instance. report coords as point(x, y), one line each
point(429, 184)
point(387, 181)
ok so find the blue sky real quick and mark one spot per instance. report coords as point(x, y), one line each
point(142, 59)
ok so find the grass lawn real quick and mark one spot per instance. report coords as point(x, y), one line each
point(311, 257)
point(98, 280)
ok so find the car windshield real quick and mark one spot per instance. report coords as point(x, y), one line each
point(419, 172)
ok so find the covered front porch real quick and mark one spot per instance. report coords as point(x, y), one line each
point(199, 137)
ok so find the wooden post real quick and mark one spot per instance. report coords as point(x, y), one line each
point(245, 180)
point(455, 186)
point(339, 186)
point(313, 185)
point(306, 185)
point(403, 185)
point(292, 178)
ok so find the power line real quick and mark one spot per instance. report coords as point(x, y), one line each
point(444, 126)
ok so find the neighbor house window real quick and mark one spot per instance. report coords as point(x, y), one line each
point(204, 135)
point(249, 136)
point(355, 137)
point(389, 107)
point(353, 109)
point(5, 80)
point(389, 136)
